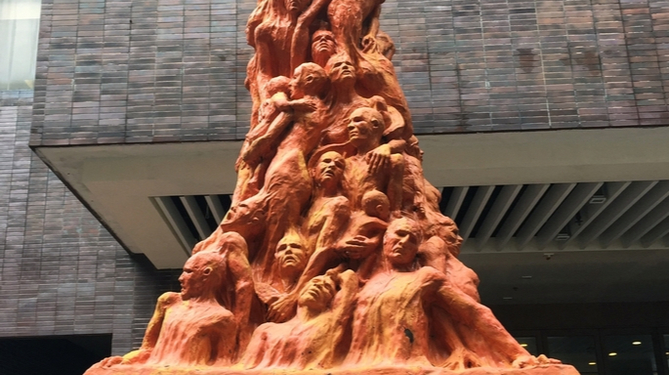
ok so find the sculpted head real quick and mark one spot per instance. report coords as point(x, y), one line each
point(246, 218)
point(401, 242)
point(329, 169)
point(323, 46)
point(276, 84)
point(308, 78)
point(341, 70)
point(448, 231)
point(366, 127)
point(290, 255)
point(386, 45)
point(376, 204)
point(201, 274)
point(413, 148)
point(296, 7)
point(318, 293)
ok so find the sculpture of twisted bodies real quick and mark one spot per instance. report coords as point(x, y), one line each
point(335, 254)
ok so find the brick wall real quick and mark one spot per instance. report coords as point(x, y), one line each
point(121, 71)
point(61, 272)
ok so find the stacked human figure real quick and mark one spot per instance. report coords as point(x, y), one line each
point(334, 253)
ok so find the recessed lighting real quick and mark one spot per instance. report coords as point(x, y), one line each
point(598, 199)
point(562, 237)
point(613, 354)
point(592, 363)
point(637, 342)
point(523, 345)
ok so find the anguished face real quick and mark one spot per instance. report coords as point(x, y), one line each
point(194, 279)
point(290, 254)
point(323, 42)
point(340, 69)
point(330, 168)
point(318, 293)
point(366, 125)
point(401, 242)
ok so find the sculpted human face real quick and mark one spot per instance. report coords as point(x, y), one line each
point(318, 293)
point(291, 255)
point(245, 218)
point(401, 243)
point(323, 43)
point(296, 6)
point(365, 126)
point(330, 168)
point(308, 79)
point(341, 70)
point(193, 279)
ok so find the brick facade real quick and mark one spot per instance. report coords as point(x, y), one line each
point(170, 70)
point(61, 272)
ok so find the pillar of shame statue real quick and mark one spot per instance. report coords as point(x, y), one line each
point(334, 257)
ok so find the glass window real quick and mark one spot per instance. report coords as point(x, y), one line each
point(629, 354)
point(579, 351)
point(19, 30)
point(665, 350)
point(529, 343)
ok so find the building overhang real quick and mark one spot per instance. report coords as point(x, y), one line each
point(120, 184)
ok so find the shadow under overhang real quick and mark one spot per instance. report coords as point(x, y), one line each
point(120, 183)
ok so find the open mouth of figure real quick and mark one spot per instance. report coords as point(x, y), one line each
point(290, 261)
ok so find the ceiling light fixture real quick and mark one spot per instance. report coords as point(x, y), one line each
point(523, 345)
point(562, 237)
point(613, 354)
point(592, 363)
point(637, 342)
point(597, 199)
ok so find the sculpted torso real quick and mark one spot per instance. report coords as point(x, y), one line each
point(191, 329)
point(390, 322)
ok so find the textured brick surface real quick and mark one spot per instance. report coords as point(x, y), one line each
point(120, 71)
point(61, 273)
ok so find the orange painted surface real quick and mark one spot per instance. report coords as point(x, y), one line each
point(334, 255)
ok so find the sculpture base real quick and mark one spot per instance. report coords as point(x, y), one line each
point(396, 370)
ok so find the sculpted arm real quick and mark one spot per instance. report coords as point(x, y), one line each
point(480, 318)
point(346, 297)
point(240, 270)
point(255, 19)
point(334, 224)
point(300, 42)
point(369, 39)
point(153, 329)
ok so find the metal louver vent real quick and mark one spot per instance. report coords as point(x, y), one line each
point(531, 217)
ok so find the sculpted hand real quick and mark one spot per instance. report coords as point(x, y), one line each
point(356, 247)
point(303, 106)
point(525, 361)
point(255, 151)
point(379, 158)
point(283, 309)
point(110, 361)
point(369, 43)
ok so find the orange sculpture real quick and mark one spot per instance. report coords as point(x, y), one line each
point(334, 256)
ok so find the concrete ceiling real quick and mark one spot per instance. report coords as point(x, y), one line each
point(486, 177)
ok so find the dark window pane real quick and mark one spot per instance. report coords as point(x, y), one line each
point(579, 351)
point(629, 354)
point(529, 343)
